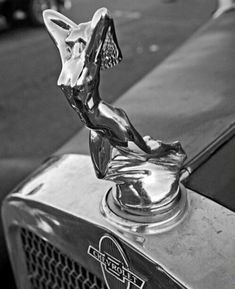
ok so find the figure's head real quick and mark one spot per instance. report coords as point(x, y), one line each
point(85, 48)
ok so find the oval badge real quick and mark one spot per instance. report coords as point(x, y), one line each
point(115, 268)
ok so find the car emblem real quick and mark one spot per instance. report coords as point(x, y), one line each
point(114, 264)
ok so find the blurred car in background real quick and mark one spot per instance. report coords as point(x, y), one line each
point(31, 8)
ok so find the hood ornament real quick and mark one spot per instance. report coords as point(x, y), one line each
point(145, 171)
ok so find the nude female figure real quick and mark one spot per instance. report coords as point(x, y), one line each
point(85, 49)
point(118, 151)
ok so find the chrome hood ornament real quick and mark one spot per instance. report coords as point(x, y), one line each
point(145, 171)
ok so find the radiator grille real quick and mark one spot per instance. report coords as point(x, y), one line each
point(49, 268)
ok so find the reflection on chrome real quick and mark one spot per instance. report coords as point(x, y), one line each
point(145, 171)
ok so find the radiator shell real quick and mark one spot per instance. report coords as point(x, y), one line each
point(60, 203)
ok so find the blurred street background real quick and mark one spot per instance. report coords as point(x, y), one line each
point(35, 118)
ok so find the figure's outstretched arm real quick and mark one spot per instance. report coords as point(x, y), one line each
point(139, 141)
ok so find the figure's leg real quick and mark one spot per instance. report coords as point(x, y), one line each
point(101, 153)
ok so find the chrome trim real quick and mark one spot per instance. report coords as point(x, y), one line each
point(223, 7)
point(145, 171)
point(204, 155)
point(163, 219)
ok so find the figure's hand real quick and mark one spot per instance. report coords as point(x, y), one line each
point(85, 48)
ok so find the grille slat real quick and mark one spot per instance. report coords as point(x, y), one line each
point(49, 268)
